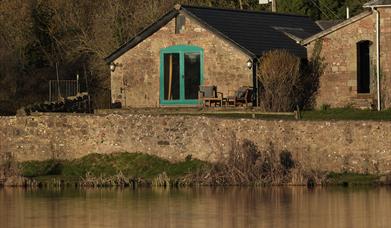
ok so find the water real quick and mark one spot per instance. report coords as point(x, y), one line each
point(197, 207)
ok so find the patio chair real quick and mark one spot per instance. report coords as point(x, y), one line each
point(209, 94)
point(243, 96)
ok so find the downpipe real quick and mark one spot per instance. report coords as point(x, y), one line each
point(378, 58)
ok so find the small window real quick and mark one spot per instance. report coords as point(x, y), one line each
point(180, 24)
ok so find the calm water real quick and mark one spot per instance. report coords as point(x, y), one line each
point(204, 207)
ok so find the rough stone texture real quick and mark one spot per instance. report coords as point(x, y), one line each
point(338, 85)
point(138, 73)
point(355, 146)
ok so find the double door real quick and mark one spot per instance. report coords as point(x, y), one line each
point(181, 74)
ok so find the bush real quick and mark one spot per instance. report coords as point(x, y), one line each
point(287, 82)
point(310, 73)
point(279, 76)
point(41, 168)
point(8, 166)
point(247, 165)
point(286, 160)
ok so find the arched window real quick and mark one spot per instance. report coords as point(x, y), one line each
point(363, 66)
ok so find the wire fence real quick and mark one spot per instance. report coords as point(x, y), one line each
point(58, 90)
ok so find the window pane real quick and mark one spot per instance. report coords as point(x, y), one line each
point(192, 75)
point(171, 76)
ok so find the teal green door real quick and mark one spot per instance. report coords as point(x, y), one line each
point(181, 74)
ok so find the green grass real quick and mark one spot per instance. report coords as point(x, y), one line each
point(351, 179)
point(346, 114)
point(329, 114)
point(313, 115)
point(146, 167)
point(249, 115)
point(133, 165)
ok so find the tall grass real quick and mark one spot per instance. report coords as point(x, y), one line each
point(247, 165)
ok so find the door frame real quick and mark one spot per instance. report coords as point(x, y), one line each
point(181, 50)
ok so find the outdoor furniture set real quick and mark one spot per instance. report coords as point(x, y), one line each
point(208, 96)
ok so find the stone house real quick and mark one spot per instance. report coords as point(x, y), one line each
point(357, 58)
point(165, 64)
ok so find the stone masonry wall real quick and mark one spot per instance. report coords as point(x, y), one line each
point(320, 145)
point(138, 73)
point(338, 85)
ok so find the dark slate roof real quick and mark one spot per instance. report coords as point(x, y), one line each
point(326, 24)
point(378, 3)
point(258, 31)
point(252, 31)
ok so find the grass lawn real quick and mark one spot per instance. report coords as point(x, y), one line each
point(346, 114)
point(248, 113)
point(330, 114)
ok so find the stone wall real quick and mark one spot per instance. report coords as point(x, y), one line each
point(138, 73)
point(334, 146)
point(338, 85)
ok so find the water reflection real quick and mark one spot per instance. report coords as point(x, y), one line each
point(197, 207)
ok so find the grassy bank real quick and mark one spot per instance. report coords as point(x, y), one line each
point(354, 179)
point(120, 169)
point(249, 167)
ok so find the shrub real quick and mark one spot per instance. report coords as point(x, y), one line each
point(286, 160)
point(279, 76)
point(8, 166)
point(247, 165)
point(287, 82)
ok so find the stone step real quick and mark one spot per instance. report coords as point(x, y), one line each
point(363, 103)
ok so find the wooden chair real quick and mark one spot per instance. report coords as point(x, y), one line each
point(209, 94)
point(242, 96)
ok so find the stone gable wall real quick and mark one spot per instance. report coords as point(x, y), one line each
point(338, 85)
point(354, 146)
point(138, 73)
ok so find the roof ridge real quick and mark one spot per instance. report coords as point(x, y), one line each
point(243, 11)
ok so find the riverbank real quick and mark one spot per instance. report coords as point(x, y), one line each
point(142, 170)
point(96, 170)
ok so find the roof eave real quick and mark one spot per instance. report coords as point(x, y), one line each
point(335, 28)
